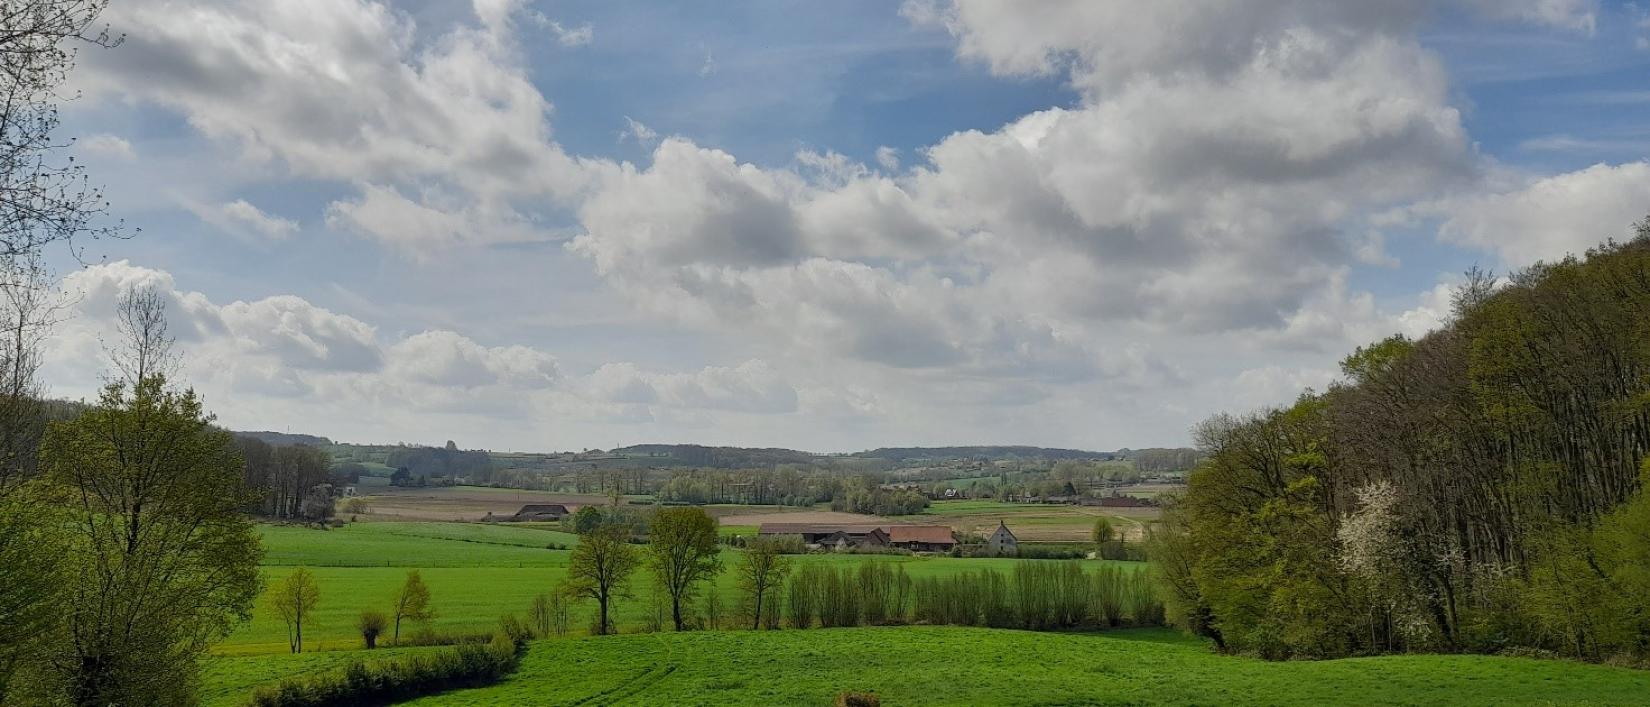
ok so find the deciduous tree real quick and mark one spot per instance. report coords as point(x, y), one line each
point(412, 602)
point(684, 552)
point(293, 599)
point(371, 624)
point(163, 561)
point(600, 569)
point(761, 572)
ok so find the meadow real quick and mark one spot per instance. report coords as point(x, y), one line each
point(923, 665)
point(476, 572)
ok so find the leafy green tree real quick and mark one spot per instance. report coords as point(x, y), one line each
point(294, 599)
point(586, 519)
point(163, 562)
point(684, 552)
point(412, 602)
point(1103, 531)
point(761, 572)
point(600, 568)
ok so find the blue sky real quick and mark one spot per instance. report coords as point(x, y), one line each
point(830, 226)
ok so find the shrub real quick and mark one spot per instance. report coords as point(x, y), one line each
point(1070, 585)
point(1145, 606)
point(539, 615)
point(371, 625)
point(799, 597)
point(858, 699)
point(837, 598)
point(771, 613)
point(1033, 551)
point(514, 629)
point(1108, 597)
point(713, 608)
point(429, 637)
point(395, 679)
point(1034, 594)
point(788, 544)
point(876, 591)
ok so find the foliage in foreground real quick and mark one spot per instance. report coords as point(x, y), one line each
point(161, 562)
point(916, 666)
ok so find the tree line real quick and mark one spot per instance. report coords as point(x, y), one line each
point(1479, 488)
point(293, 482)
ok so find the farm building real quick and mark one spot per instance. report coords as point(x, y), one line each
point(918, 538)
point(852, 538)
point(1002, 542)
point(541, 512)
point(921, 538)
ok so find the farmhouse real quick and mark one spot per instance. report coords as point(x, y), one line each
point(1002, 542)
point(917, 538)
point(540, 511)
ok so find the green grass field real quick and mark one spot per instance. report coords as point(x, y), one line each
point(919, 665)
point(476, 573)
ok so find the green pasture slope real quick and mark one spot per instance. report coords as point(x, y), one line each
point(921, 665)
point(476, 573)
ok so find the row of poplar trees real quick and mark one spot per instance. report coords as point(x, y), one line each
point(1477, 489)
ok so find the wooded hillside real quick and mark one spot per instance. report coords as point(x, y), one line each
point(1476, 489)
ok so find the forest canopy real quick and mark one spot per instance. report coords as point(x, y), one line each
point(1478, 488)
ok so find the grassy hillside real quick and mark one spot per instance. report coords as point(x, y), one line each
point(478, 572)
point(962, 666)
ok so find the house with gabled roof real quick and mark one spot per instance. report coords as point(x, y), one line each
point(1002, 542)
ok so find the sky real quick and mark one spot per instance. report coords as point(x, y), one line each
point(827, 226)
